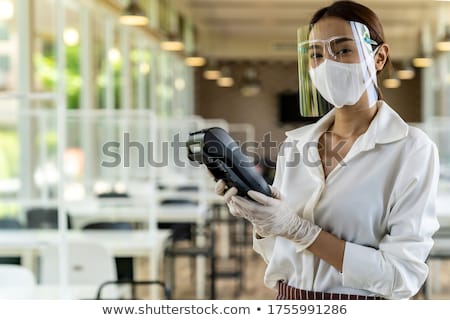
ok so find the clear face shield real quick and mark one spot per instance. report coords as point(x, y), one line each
point(336, 66)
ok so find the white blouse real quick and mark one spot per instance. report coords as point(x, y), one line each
point(380, 199)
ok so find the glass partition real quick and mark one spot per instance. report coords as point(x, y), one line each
point(105, 121)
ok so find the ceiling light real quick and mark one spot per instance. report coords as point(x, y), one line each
point(391, 83)
point(225, 80)
point(406, 72)
point(133, 15)
point(422, 62)
point(444, 43)
point(173, 43)
point(424, 58)
point(212, 72)
point(251, 86)
point(195, 61)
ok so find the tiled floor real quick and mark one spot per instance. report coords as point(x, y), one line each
point(227, 288)
point(439, 279)
point(254, 289)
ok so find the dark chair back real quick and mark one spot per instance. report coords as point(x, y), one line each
point(177, 201)
point(113, 195)
point(10, 223)
point(108, 226)
point(188, 188)
point(180, 231)
point(44, 218)
point(124, 265)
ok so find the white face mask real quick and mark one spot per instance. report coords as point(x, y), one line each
point(342, 83)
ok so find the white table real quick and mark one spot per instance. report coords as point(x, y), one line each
point(49, 292)
point(115, 210)
point(121, 243)
point(125, 209)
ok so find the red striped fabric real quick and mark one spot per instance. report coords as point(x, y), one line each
point(286, 292)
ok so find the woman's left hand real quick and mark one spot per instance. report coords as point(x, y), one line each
point(271, 216)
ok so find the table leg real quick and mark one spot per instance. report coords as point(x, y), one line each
point(428, 282)
point(154, 272)
point(200, 263)
point(224, 251)
point(436, 279)
point(28, 260)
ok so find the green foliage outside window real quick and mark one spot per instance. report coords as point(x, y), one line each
point(9, 167)
point(46, 74)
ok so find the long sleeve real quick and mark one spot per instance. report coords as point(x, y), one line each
point(397, 268)
point(264, 247)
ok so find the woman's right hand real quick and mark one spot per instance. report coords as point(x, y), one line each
point(221, 189)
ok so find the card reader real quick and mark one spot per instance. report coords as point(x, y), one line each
point(216, 149)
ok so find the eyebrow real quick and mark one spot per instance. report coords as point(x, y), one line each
point(314, 46)
point(343, 39)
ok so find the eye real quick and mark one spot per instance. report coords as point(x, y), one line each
point(344, 51)
point(315, 55)
point(343, 47)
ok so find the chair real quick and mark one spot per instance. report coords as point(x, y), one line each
point(180, 231)
point(89, 264)
point(125, 268)
point(124, 265)
point(233, 266)
point(10, 223)
point(113, 194)
point(44, 218)
point(16, 282)
point(166, 290)
point(188, 188)
point(193, 251)
point(218, 269)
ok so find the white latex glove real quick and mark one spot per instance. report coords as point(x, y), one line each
point(273, 217)
point(221, 190)
point(228, 194)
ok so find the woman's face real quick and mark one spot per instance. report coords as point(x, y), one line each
point(332, 38)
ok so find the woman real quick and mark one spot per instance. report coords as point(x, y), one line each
point(354, 218)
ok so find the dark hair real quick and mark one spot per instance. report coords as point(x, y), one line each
point(353, 11)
